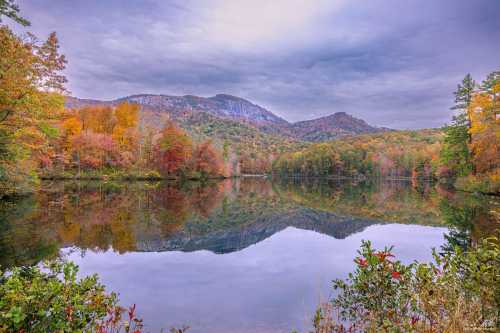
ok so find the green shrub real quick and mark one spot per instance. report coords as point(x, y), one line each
point(458, 292)
point(53, 299)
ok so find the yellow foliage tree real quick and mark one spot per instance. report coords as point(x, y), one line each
point(30, 101)
point(127, 114)
point(72, 126)
point(485, 130)
point(127, 117)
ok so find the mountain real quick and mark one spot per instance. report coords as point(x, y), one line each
point(224, 108)
point(331, 127)
point(238, 237)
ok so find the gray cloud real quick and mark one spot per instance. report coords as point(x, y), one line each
point(393, 63)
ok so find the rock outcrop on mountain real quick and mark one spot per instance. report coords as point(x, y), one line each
point(231, 108)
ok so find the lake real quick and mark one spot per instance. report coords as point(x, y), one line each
point(238, 255)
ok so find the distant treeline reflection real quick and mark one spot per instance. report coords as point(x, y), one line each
point(221, 216)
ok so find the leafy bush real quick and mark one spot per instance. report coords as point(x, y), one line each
point(459, 292)
point(52, 299)
point(379, 290)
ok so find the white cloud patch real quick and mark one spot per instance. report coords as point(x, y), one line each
point(246, 25)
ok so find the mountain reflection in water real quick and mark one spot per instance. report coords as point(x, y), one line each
point(239, 255)
point(220, 216)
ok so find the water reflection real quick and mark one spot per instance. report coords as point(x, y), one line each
point(273, 286)
point(223, 216)
point(246, 255)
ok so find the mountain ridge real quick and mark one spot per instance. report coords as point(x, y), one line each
point(234, 108)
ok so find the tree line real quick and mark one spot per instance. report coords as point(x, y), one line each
point(103, 140)
point(465, 152)
point(395, 154)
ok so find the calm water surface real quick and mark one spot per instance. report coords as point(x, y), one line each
point(245, 255)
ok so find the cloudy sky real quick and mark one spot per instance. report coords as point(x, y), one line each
point(393, 63)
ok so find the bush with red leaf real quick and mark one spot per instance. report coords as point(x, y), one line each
point(458, 292)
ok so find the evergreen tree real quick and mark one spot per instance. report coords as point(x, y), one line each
point(491, 80)
point(463, 98)
point(455, 153)
point(11, 10)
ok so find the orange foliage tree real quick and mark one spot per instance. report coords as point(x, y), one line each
point(484, 112)
point(173, 149)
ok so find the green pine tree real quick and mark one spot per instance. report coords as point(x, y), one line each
point(10, 9)
point(455, 153)
point(492, 79)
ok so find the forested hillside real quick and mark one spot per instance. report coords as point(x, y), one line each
point(224, 107)
point(327, 128)
point(389, 154)
point(465, 153)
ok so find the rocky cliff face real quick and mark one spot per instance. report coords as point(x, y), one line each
point(233, 108)
point(219, 105)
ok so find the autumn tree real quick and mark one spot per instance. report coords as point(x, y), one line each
point(125, 129)
point(50, 65)
point(98, 119)
point(173, 149)
point(117, 126)
point(95, 150)
point(206, 160)
point(72, 126)
point(30, 102)
point(69, 127)
point(471, 147)
point(127, 114)
point(484, 112)
point(146, 148)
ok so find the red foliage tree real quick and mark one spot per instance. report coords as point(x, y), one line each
point(95, 150)
point(206, 160)
point(173, 149)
